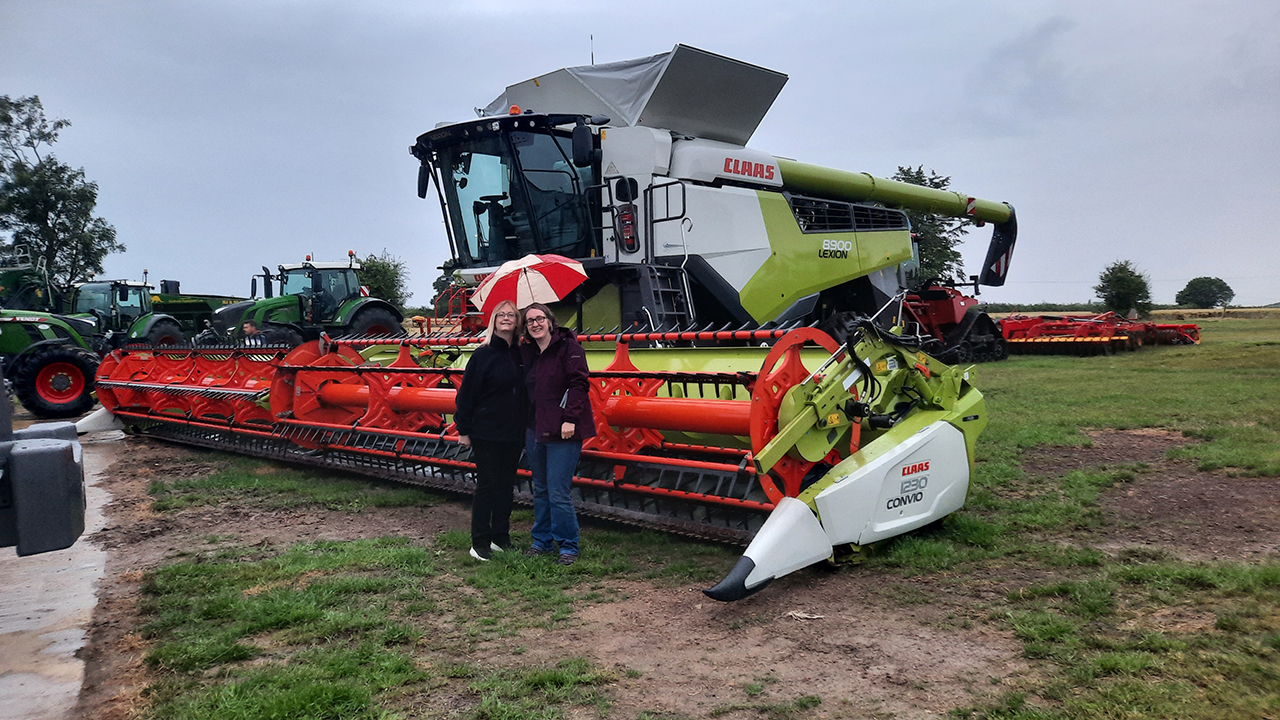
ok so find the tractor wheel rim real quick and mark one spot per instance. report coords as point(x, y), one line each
point(60, 382)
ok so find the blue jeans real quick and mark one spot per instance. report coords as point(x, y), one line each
point(555, 522)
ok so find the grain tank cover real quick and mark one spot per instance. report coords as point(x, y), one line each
point(688, 91)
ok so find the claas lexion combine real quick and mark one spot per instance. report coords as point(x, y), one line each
point(753, 375)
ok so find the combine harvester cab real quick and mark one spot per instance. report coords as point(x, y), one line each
point(722, 412)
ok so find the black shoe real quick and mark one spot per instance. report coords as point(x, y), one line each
point(567, 559)
point(536, 552)
point(483, 554)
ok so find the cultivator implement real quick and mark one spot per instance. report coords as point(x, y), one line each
point(1104, 334)
point(706, 441)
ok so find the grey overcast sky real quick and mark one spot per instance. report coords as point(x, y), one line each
point(229, 134)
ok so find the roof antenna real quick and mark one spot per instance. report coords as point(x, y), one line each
point(593, 48)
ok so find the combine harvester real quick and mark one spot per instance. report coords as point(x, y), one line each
point(721, 411)
point(1104, 334)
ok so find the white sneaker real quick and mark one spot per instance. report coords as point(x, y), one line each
point(482, 556)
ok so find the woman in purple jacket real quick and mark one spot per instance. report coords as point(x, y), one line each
point(560, 418)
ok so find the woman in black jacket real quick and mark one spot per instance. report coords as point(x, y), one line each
point(490, 417)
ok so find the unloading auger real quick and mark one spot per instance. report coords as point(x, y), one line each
point(779, 438)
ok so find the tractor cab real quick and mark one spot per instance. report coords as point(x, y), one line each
point(115, 304)
point(322, 287)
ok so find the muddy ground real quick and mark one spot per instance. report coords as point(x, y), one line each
point(862, 640)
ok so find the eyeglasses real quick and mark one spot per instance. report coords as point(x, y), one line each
point(509, 315)
point(535, 320)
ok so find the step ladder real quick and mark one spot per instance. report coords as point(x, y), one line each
point(664, 297)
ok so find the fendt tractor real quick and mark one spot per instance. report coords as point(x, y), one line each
point(129, 311)
point(313, 298)
point(724, 407)
point(47, 358)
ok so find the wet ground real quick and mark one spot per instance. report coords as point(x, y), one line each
point(46, 607)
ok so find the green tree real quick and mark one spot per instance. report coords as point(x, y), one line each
point(1205, 292)
point(937, 236)
point(441, 285)
point(1122, 288)
point(386, 277)
point(46, 204)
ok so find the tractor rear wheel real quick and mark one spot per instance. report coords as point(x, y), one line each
point(164, 332)
point(374, 321)
point(56, 381)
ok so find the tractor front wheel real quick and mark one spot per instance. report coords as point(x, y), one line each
point(56, 381)
point(164, 332)
point(374, 321)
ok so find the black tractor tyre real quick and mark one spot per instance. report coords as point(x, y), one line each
point(374, 321)
point(164, 332)
point(56, 381)
point(281, 335)
point(1002, 349)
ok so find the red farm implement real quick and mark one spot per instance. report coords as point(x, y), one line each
point(1090, 334)
point(702, 441)
point(961, 332)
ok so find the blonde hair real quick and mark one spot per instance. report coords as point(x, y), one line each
point(493, 320)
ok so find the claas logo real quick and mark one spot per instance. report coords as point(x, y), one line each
point(915, 468)
point(749, 169)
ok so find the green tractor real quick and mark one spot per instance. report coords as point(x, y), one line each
point(48, 358)
point(50, 361)
point(51, 357)
point(127, 312)
point(122, 313)
point(313, 298)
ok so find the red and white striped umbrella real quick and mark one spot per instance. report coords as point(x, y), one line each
point(530, 279)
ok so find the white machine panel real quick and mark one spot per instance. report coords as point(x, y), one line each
point(923, 479)
point(638, 151)
point(790, 539)
point(709, 161)
point(726, 228)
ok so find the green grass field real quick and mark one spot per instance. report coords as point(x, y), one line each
point(377, 628)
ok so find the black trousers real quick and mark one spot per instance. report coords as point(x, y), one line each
point(496, 464)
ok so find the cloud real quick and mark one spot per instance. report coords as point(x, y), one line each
point(1023, 82)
